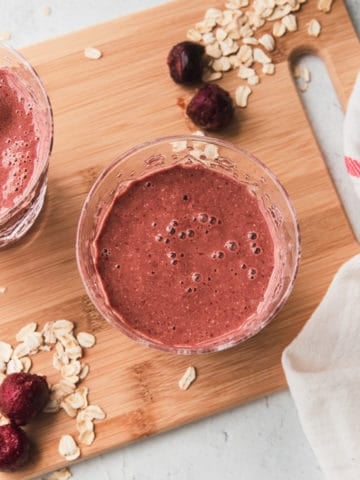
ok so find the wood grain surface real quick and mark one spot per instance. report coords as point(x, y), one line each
point(102, 108)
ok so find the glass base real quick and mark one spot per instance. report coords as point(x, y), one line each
point(19, 226)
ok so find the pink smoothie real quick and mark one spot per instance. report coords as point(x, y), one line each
point(18, 139)
point(185, 255)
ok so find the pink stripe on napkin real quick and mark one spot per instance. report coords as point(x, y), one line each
point(352, 137)
point(352, 166)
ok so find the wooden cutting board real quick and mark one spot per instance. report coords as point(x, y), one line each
point(102, 108)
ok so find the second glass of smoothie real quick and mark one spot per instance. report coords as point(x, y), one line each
point(188, 244)
point(26, 133)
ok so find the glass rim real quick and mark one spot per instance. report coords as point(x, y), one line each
point(206, 347)
point(50, 117)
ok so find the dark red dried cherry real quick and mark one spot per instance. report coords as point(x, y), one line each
point(185, 62)
point(211, 108)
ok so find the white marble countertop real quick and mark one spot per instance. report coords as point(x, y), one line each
point(260, 440)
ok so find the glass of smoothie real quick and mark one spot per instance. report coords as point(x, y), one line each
point(26, 134)
point(188, 244)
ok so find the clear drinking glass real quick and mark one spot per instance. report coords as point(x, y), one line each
point(232, 161)
point(16, 220)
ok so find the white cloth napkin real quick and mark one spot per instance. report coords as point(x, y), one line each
point(322, 364)
point(322, 367)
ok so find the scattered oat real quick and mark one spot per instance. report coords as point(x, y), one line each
point(226, 18)
point(21, 350)
point(279, 12)
point(235, 4)
point(234, 61)
point(325, 5)
point(33, 340)
point(255, 20)
point(52, 406)
point(268, 42)
point(296, 7)
point(78, 399)
point(94, 412)
point(246, 31)
point(3, 290)
point(221, 34)
point(234, 33)
point(26, 363)
point(68, 409)
point(304, 73)
point(5, 36)
point(205, 26)
point(83, 422)
point(67, 340)
point(241, 95)
point(260, 56)
point(92, 53)
point(57, 362)
point(64, 341)
point(71, 379)
point(261, 7)
point(254, 79)
point(62, 389)
point(314, 28)
point(188, 378)
point(46, 11)
point(29, 328)
point(296, 71)
point(198, 146)
point(250, 41)
point(245, 72)
point(74, 352)
point(5, 351)
point(85, 425)
point(194, 35)
point(45, 348)
point(208, 38)
point(199, 133)
point(228, 46)
point(213, 50)
point(14, 366)
point(65, 325)
point(68, 383)
point(84, 372)
point(59, 349)
point(221, 64)
point(290, 22)
point(211, 151)
point(279, 29)
point(2, 367)
point(303, 87)
point(71, 369)
point(213, 14)
point(268, 69)
point(57, 394)
point(86, 340)
point(48, 333)
point(210, 76)
point(87, 437)
point(68, 448)
point(63, 474)
point(245, 55)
